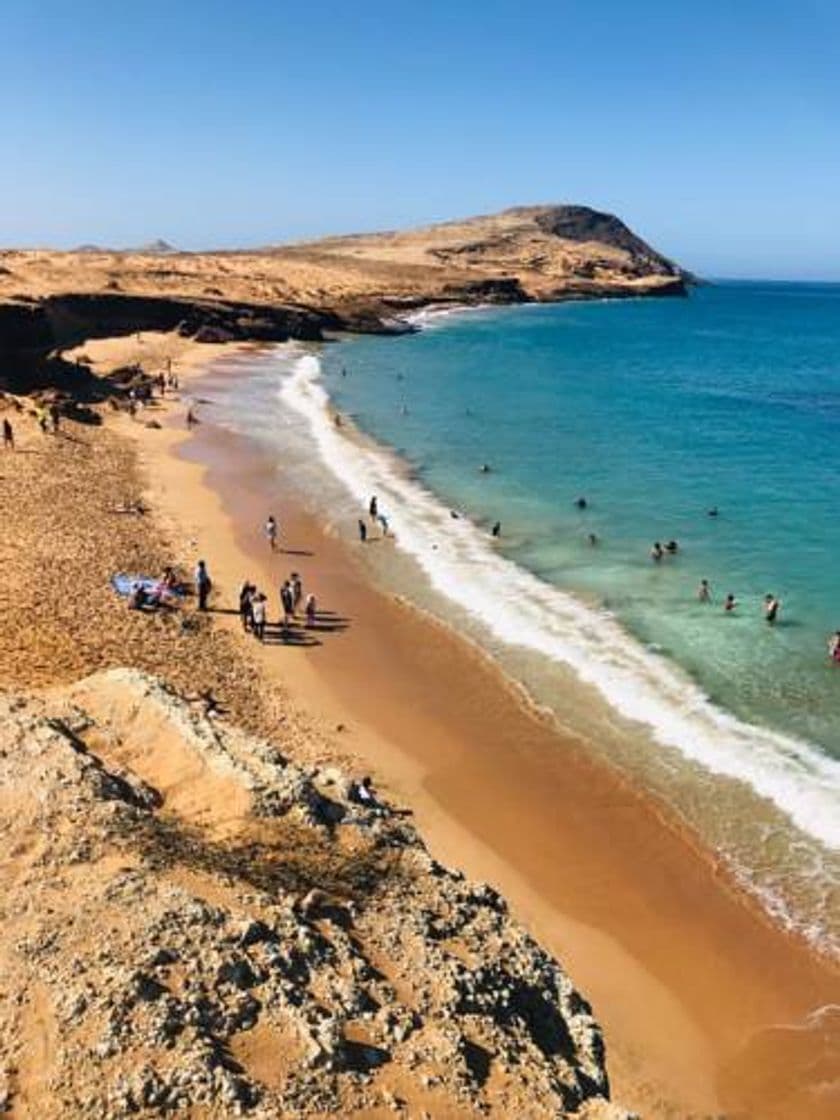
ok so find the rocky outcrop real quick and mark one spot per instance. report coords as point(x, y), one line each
point(50, 300)
point(580, 223)
point(296, 954)
point(63, 321)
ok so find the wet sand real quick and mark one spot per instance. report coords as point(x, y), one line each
point(704, 1003)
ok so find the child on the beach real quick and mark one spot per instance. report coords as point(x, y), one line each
point(311, 610)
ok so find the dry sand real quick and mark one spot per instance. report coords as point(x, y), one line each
point(703, 1002)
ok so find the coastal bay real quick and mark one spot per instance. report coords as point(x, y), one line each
point(604, 875)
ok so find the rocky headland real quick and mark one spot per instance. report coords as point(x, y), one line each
point(51, 300)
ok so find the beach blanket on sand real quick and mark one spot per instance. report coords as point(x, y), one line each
point(123, 585)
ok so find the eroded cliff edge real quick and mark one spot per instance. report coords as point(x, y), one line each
point(192, 921)
point(52, 300)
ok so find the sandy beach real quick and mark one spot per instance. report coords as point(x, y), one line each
point(705, 1004)
point(707, 1008)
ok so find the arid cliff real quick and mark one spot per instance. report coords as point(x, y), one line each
point(52, 300)
point(193, 922)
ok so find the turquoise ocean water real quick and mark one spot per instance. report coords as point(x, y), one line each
point(655, 411)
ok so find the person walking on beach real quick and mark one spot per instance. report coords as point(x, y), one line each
point(258, 612)
point(362, 531)
point(373, 508)
point(297, 589)
point(8, 435)
point(772, 605)
point(383, 521)
point(311, 610)
point(271, 532)
point(730, 603)
point(286, 602)
point(55, 417)
point(202, 585)
point(192, 419)
point(656, 552)
point(704, 591)
point(246, 597)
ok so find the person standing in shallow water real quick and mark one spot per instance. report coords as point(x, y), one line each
point(772, 606)
point(730, 603)
point(656, 552)
point(704, 591)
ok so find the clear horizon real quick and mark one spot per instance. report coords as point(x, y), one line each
point(711, 133)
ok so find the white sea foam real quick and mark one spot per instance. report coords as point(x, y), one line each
point(523, 611)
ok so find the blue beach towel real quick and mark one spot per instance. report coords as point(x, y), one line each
point(123, 584)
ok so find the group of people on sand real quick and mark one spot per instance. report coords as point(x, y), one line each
point(47, 416)
point(253, 606)
point(167, 380)
point(376, 516)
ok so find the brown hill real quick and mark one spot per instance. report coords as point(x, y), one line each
point(364, 282)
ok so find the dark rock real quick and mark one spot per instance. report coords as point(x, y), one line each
point(211, 333)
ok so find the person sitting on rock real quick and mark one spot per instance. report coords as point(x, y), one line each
point(362, 793)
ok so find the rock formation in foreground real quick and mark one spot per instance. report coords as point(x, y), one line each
point(53, 300)
point(193, 923)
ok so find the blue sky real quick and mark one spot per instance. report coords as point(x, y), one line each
point(713, 129)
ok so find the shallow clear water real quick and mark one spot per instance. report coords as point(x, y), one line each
point(655, 411)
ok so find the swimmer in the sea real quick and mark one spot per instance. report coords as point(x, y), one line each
point(772, 605)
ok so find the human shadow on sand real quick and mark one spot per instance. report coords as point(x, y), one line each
point(277, 634)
